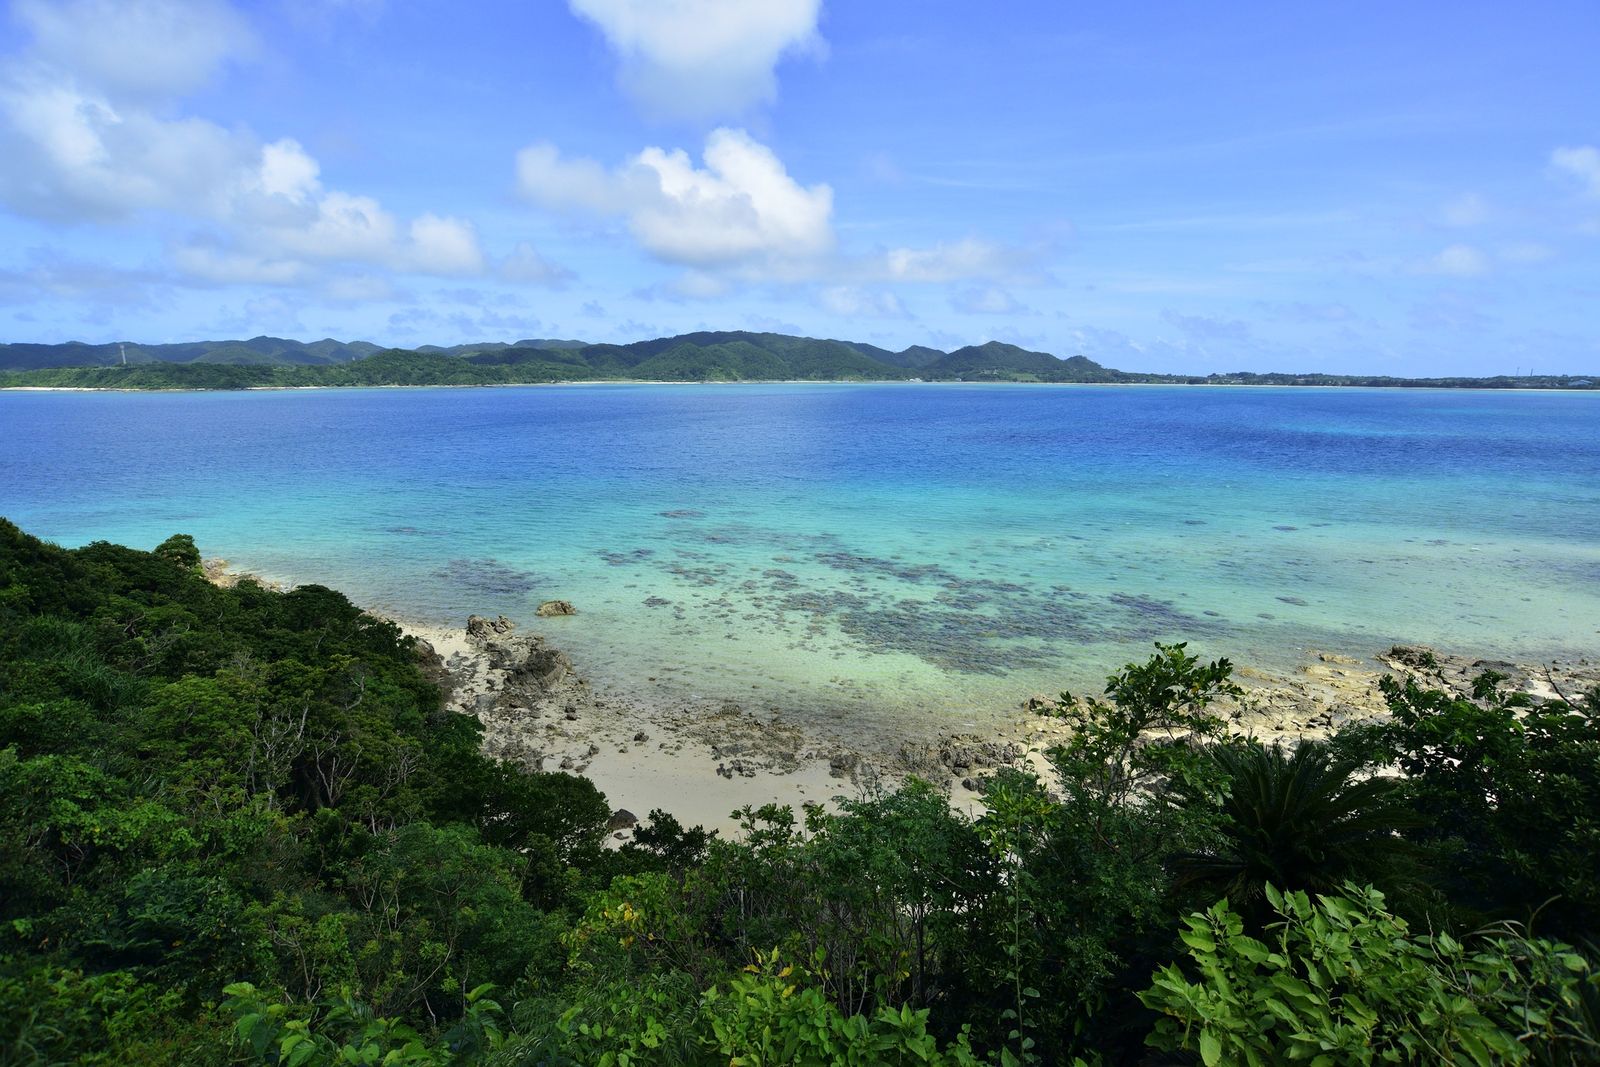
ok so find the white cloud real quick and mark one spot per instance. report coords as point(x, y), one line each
point(82, 139)
point(445, 246)
point(70, 154)
point(741, 209)
point(696, 285)
point(702, 58)
point(1582, 163)
point(1461, 261)
point(137, 47)
point(947, 262)
point(546, 176)
point(855, 302)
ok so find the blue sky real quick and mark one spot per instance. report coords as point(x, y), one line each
point(1396, 188)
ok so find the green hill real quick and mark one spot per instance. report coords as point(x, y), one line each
point(265, 351)
point(997, 361)
point(726, 355)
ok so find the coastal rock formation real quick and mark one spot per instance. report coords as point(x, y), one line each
point(1557, 680)
point(514, 684)
point(217, 571)
point(702, 758)
point(555, 607)
point(484, 629)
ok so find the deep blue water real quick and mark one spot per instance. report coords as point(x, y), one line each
point(932, 546)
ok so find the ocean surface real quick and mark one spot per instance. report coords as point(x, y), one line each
point(872, 550)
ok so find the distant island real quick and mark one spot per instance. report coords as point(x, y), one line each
point(723, 356)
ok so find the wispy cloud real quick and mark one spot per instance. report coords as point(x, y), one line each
point(1458, 260)
point(1582, 164)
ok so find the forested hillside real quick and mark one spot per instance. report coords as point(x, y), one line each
point(724, 356)
point(265, 351)
point(237, 826)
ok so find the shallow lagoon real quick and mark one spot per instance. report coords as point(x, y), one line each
point(906, 548)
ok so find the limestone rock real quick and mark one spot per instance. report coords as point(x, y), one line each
point(555, 607)
point(485, 629)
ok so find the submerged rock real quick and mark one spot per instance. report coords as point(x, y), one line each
point(555, 607)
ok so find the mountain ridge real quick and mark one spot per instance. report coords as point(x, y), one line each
point(704, 355)
point(700, 356)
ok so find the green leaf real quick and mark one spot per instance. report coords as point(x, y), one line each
point(1210, 1049)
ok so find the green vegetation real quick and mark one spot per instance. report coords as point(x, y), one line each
point(257, 350)
point(727, 356)
point(236, 826)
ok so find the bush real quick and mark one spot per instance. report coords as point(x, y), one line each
point(1340, 980)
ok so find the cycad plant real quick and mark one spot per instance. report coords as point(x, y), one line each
point(1300, 818)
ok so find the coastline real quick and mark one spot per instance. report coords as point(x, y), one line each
point(700, 760)
point(805, 381)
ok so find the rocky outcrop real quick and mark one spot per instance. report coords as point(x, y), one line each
point(1565, 680)
point(543, 669)
point(551, 608)
point(433, 666)
point(483, 629)
point(961, 756)
point(517, 686)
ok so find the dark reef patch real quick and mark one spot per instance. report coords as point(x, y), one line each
point(624, 559)
point(488, 576)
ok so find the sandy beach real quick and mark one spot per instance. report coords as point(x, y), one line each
point(701, 761)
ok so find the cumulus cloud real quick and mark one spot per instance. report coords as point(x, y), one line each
point(702, 58)
point(440, 245)
point(277, 218)
point(1581, 163)
point(71, 154)
point(137, 47)
point(89, 132)
point(740, 209)
point(1459, 261)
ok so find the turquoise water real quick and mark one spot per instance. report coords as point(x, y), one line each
point(913, 548)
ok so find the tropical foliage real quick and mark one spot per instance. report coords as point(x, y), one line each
point(236, 826)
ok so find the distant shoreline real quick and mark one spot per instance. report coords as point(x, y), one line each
point(795, 381)
point(703, 357)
